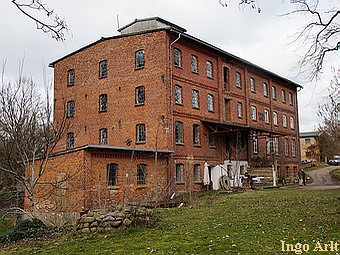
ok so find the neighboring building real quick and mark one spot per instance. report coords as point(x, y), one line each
point(149, 107)
point(310, 151)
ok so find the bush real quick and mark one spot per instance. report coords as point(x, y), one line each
point(28, 229)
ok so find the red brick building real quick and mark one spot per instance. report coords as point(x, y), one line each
point(149, 107)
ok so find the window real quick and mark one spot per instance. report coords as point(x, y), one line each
point(179, 172)
point(252, 84)
point(209, 69)
point(103, 136)
point(276, 145)
point(196, 135)
point(307, 141)
point(238, 80)
point(212, 140)
point(226, 77)
point(70, 109)
point(283, 95)
point(194, 64)
point(273, 92)
point(70, 77)
point(293, 148)
point(140, 95)
point(103, 69)
point(70, 140)
point(275, 118)
point(290, 98)
point(210, 103)
point(291, 122)
point(255, 143)
point(141, 174)
point(111, 174)
point(287, 171)
point(268, 146)
point(140, 133)
point(178, 94)
point(194, 98)
point(265, 89)
point(197, 173)
point(177, 57)
point(253, 113)
point(103, 103)
point(285, 141)
point(179, 132)
point(308, 153)
point(266, 116)
point(240, 141)
point(284, 120)
point(140, 62)
point(239, 109)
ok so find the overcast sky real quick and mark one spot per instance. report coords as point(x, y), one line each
point(263, 39)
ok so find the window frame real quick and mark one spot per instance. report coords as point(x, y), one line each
point(70, 77)
point(141, 174)
point(179, 132)
point(274, 92)
point(291, 122)
point(290, 98)
point(178, 94)
point(111, 174)
point(212, 141)
point(253, 113)
point(103, 136)
point(283, 95)
point(239, 110)
point(255, 144)
point(177, 57)
point(70, 109)
point(197, 173)
point(286, 146)
point(140, 59)
point(194, 64)
point(179, 173)
point(293, 148)
point(103, 69)
point(284, 120)
point(196, 135)
point(275, 122)
point(265, 89)
point(238, 80)
point(195, 99)
point(209, 69)
point(70, 140)
point(103, 103)
point(266, 116)
point(140, 95)
point(210, 103)
point(252, 84)
point(140, 133)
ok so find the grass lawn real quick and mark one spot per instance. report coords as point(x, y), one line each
point(336, 174)
point(239, 223)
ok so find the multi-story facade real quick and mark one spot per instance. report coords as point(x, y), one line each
point(149, 107)
point(310, 151)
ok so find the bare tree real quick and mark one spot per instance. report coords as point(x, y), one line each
point(328, 112)
point(318, 38)
point(51, 24)
point(27, 135)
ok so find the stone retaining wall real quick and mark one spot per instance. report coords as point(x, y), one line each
point(104, 221)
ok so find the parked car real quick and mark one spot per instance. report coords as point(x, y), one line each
point(334, 161)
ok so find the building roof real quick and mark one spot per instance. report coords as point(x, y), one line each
point(141, 26)
point(309, 134)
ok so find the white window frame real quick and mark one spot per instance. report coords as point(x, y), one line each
point(275, 118)
point(179, 173)
point(238, 80)
point(195, 98)
point(252, 84)
point(210, 103)
point(140, 133)
point(273, 92)
point(177, 57)
point(266, 116)
point(196, 134)
point(286, 149)
point(103, 136)
point(255, 144)
point(253, 113)
point(291, 122)
point(194, 64)
point(140, 59)
point(283, 95)
point(265, 89)
point(178, 94)
point(239, 110)
point(209, 67)
point(284, 120)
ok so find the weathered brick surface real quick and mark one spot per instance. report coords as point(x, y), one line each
point(159, 113)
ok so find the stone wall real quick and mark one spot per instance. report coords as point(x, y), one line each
point(103, 221)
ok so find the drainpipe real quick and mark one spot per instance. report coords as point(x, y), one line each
point(297, 129)
point(171, 94)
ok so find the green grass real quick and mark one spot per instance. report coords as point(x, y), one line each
point(336, 174)
point(5, 225)
point(315, 167)
point(239, 223)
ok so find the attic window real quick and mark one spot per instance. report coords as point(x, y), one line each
point(140, 62)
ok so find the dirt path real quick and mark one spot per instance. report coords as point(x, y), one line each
point(322, 179)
